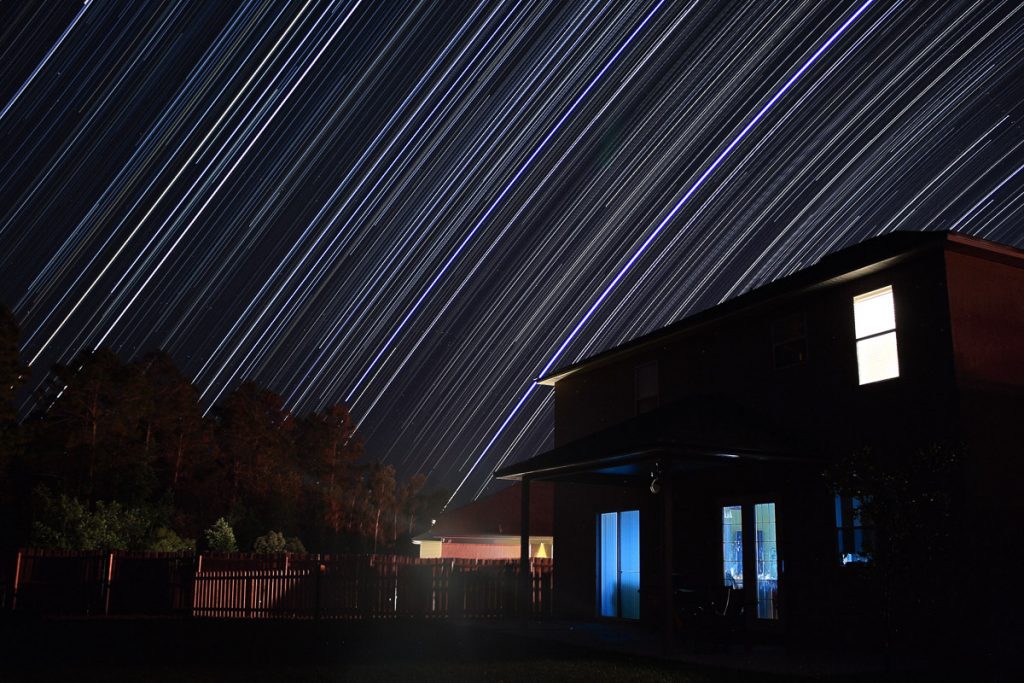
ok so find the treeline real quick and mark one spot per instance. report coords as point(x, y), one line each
point(119, 455)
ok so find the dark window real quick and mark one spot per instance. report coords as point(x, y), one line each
point(646, 385)
point(789, 341)
point(855, 533)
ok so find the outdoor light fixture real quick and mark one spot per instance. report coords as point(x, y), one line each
point(656, 479)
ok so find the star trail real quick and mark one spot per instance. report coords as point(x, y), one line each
point(416, 208)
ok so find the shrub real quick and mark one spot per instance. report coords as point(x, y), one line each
point(221, 537)
point(68, 524)
point(165, 540)
point(275, 542)
point(271, 542)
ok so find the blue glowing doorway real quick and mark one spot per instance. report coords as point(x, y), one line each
point(618, 564)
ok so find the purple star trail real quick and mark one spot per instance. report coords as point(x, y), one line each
point(419, 207)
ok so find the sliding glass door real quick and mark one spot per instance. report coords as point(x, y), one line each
point(618, 564)
point(760, 549)
point(767, 552)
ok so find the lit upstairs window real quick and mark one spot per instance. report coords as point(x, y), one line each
point(874, 322)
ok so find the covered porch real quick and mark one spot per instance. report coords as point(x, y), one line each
point(650, 517)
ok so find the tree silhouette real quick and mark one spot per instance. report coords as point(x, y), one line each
point(91, 430)
point(256, 437)
point(116, 441)
point(13, 373)
point(328, 450)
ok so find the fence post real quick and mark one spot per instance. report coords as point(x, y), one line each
point(320, 568)
point(456, 593)
point(197, 569)
point(525, 597)
point(106, 584)
point(17, 579)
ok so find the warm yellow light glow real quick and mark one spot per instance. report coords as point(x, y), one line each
point(542, 551)
point(430, 548)
point(874, 319)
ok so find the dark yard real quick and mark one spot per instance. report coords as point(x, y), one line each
point(236, 650)
point(162, 649)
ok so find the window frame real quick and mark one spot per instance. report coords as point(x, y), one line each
point(748, 550)
point(876, 335)
point(849, 521)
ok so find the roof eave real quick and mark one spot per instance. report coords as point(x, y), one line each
point(826, 272)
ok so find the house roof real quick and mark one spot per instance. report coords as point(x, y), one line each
point(855, 261)
point(496, 515)
point(692, 433)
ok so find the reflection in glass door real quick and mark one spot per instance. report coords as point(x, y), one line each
point(732, 546)
point(767, 553)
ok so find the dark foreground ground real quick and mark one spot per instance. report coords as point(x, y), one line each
point(198, 650)
point(211, 650)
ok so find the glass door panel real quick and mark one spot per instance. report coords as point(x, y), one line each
point(767, 553)
point(618, 564)
point(629, 563)
point(732, 546)
point(608, 565)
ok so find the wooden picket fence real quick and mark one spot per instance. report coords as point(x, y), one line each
point(284, 586)
point(96, 583)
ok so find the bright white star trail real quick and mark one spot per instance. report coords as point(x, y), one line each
point(417, 208)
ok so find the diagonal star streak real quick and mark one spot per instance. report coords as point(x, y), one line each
point(450, 200)
point(645, 245)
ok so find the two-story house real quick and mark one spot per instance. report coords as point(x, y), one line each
point(695, 457)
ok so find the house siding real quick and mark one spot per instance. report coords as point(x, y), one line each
point(959, 312)
point(732, 358)
point(944, 342)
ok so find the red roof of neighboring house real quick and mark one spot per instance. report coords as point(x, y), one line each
point(499, 514)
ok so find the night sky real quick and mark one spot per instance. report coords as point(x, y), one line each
point(417, 208)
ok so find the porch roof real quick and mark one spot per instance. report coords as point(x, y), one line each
point(695, 433)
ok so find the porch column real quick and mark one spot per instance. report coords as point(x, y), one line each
point(525, 592)
point(667, 554)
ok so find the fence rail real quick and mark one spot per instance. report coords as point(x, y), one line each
point(284, 586)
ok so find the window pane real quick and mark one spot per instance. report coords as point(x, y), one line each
point(877, 358)
point(874, 312)
point(629, 563)
point(732, 545)
point(767, 561)
point(608, 565)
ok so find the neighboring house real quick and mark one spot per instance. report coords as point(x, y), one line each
point(488, 529)
point(693, 457)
